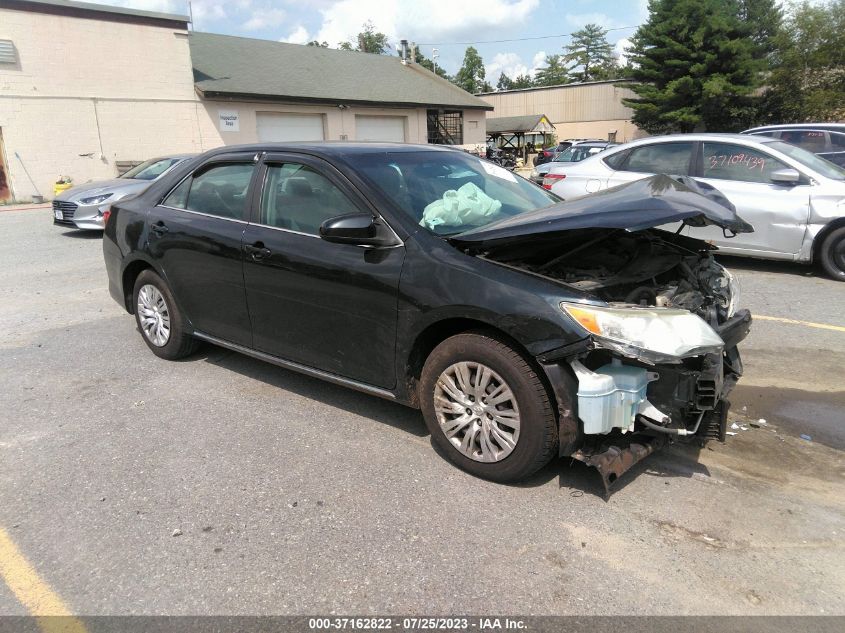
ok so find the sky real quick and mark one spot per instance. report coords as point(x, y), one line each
point(445, 25)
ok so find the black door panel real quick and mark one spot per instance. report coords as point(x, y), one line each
point(202, 258)
point(328, 306)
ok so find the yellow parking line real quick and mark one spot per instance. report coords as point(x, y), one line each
point(821, 326)
point(35, 594)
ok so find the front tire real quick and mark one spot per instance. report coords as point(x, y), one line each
point(832, 254)
point(487, 409)
point(159, 320)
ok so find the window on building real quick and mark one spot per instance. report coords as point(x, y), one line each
point(445, 127)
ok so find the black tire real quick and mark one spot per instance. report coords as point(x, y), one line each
point(179, 344)
point(537, 441)
point(832, 254)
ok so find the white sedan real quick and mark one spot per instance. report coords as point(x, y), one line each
point(794, 200)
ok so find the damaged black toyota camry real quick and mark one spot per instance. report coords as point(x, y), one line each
point(524, 327)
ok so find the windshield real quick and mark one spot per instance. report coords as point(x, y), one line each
point(576, 153)
point(451, 192)
point(816, 163)
point(151, 169)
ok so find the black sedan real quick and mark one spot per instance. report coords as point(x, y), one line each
point(522, 326)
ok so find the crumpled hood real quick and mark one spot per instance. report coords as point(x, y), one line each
point(118, 186)
point(634, 206)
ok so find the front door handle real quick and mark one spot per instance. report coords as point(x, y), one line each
point(257, 251)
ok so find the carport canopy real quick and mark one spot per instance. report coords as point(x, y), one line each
point(512, 130)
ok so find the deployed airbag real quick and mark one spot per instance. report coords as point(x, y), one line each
point(467, 205)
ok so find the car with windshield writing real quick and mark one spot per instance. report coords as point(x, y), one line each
point(83, 206)
point(826, 140)
point(794, 200)
point(523, 327)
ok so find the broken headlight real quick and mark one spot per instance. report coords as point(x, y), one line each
point(731, 285)
point(659, 334)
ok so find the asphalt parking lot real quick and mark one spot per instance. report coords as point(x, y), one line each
point(223, 485)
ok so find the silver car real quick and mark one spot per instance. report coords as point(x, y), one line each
point(794, 200)
point(83, 206)
point(578, 151)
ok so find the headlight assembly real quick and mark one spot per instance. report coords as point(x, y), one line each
point(96, 199)
point(663, 334)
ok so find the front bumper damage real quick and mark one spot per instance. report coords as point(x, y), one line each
point(649, 406)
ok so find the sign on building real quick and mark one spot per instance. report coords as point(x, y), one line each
point(229, 121)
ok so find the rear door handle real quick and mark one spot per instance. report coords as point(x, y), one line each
point(159, 228)
point(257, 251)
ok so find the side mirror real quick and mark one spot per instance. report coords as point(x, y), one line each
point(361, 229)
point(785, 177)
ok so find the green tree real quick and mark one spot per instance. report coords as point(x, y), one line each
point(523, 81)
point(807, 82)
point(589, 54)
point(320, 44)
point(369, 41)
point(553, 73)
point(694, 65)
point(504, 83)
point(470, 77)
point(765, 19)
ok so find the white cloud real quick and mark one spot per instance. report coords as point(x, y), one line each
point(580, 20)
point(620, 50)
point(203, 10)
point(264, 18)
point(433, 21)
point(298, 36)
point(513, 65)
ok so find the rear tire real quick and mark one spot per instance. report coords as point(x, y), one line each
point(159, 320)
point(832, 254)
point(472, 424)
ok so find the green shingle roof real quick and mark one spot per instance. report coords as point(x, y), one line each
point(228, 66)
point(526, 123)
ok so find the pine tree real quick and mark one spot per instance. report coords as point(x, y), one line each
point(590, 53)
point(470, 77)
point(694, 67)
point(504, 83)
point(554, 73)
point(523, 81)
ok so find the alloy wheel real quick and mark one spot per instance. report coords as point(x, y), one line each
point(154, 315)
point(477, 411)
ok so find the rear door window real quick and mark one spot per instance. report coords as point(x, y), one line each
point(812, 140)
point(220, 190)
point(660, 158)
point(726, 161)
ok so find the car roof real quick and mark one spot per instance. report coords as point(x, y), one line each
point(335, 148)
point(701, 136)
point(798, 126)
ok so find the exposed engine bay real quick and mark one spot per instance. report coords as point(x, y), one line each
point(630, 401)
point(650, 268)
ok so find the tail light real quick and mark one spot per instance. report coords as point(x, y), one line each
point(551, 179)
point(106, 216)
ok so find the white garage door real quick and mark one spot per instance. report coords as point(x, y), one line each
point(274, 127)
point(380, 128)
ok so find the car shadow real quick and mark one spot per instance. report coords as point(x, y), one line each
point(373, 407)
point(573, 476)
point(83, 234)
point(769, 266)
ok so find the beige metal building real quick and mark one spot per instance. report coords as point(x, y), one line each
point(586, 110)
point(88, 88)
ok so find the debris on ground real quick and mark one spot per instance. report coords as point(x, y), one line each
point(177, 532)
point(804, 436)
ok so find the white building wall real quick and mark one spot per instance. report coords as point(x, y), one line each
point(87, 94)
